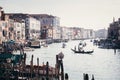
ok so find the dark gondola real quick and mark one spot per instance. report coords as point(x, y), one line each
point(63, 45)
point(82, 52)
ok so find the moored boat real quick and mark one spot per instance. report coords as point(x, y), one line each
point(63, 45)
point(28, 49)
point(33, 43)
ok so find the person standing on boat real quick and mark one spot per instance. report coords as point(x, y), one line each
point(79, 47)
point(75, 48)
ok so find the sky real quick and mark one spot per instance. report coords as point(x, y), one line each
point(88, 14)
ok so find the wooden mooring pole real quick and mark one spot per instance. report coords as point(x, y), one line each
point(38, 68)
point(47, 71)
point(66, 76)
point(31, 71)
point(59, 63)
point(85, 76)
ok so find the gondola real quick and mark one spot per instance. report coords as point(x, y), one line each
point(82, 52)
point(63, 45)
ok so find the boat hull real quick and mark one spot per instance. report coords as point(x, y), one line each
point(82, 52)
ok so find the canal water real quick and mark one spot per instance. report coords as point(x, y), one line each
point(104, 64)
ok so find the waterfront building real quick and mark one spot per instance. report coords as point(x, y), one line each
point(32, 28)
point(114, 33)
point(88, 34)
point(4, 27)
point(119, 29)
point(78, 33)
point(19, 25)
point(113, 30)
point(23, 37)
point(11, 29)
point(85, 34)
point(91, 33)
point(0, 27)
point(8, 28)
point(65, 32)
point(3, 31)
point(0, 33)
point(50, 26)
point(30, 25)
point(19, 31)
point(75, 33)
point(71, 33)
point(101, 33)
point(0, 13)
point(11, 26)
point(57, 33)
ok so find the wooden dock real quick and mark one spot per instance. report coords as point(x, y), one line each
point(20, 71)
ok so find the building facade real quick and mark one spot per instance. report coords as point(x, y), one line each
point(113, 30)
point(4, 31)
point(101, 33)
point(65, 33)
point(50, 26)
point(32, 28)
point(29, 24)
point(114, 33)
point(0, 13)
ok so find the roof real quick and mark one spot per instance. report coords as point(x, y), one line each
point(0, 7)
point(42, 15)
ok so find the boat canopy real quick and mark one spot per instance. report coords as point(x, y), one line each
point(14, 57)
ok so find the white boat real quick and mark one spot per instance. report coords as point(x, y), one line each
point(45, 45)
point(28, 49)
point(34, 43)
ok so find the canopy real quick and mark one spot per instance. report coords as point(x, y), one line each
point(11, 41)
